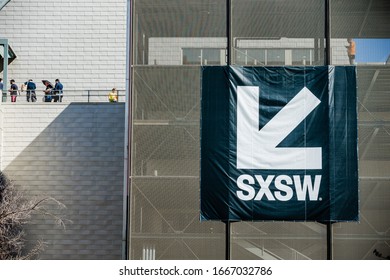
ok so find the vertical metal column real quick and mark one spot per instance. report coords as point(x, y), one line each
point(126, 231)
point(4, 42)
point(329, 230)
point(228, 32)
point(327, 32)
point(228, 62)
point(227, 239)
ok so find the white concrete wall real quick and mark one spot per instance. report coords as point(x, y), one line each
point(81, 42)
point(74, 153)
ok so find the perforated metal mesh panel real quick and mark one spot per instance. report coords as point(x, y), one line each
point(166, 145)
point(364, 20)
point(172, 39)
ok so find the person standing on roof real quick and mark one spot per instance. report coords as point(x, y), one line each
point(47, 91)
point(30, 91)
point(13, 90)
point(58, 91)
point(113, 95)
point(351, 50)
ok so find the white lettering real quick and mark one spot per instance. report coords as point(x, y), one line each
point(307, 186)
point(283, 190)
point(264, 187)
point(248, 192)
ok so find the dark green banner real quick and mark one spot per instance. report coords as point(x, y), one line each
point(279, 143)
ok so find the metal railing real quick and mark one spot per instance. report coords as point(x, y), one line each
point(68, 96)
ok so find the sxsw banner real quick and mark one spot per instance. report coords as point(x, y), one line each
point(279, 143)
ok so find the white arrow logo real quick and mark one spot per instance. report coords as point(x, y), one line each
point(258, 149)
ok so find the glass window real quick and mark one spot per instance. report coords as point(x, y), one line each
point(276, 57)
point(212, 57)
point(250, 56)
point(203, 56)
point(192, 56)
point(301, 57)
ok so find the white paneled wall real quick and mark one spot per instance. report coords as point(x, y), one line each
point(81, 42)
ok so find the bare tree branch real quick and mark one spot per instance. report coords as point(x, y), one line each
point(16, 211)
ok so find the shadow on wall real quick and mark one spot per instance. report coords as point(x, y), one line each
point(77, 158)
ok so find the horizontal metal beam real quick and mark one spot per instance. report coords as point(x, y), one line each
point(166, 122)
point(376, 123)
point(270, 236)
point(364, 178)
point(165, 177)
point(361, 123)
point(373, 178)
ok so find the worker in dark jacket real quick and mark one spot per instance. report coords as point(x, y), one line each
point(58, 91)
point(30, 91)
point(13, 91)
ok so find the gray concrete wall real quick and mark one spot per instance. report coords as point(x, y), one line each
point(74, 153)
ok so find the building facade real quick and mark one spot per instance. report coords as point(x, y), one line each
point(84, 44)
point(72, 151)
point(171, 41)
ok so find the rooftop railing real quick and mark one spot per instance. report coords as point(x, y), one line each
point(68, 96)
